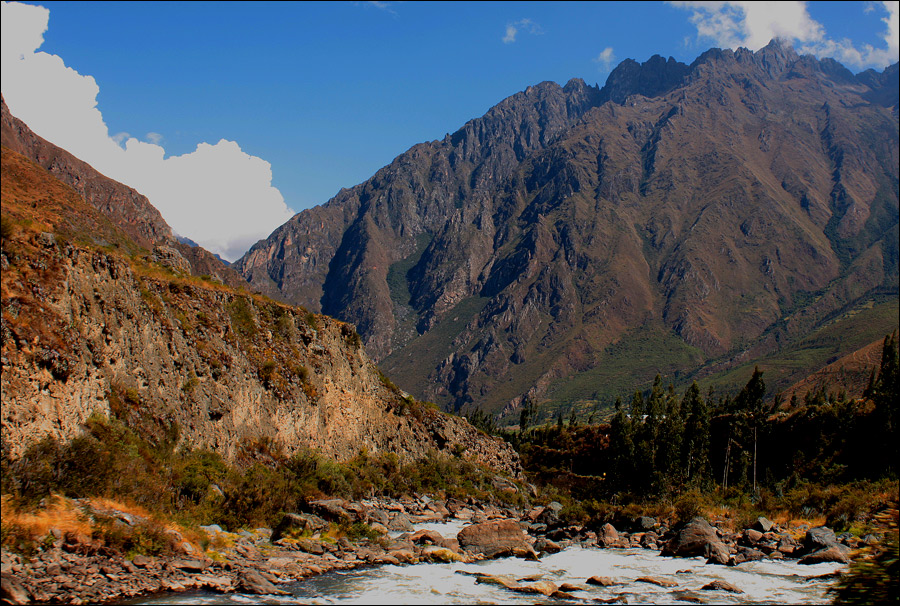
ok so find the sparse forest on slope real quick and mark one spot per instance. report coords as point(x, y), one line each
point(681, 218)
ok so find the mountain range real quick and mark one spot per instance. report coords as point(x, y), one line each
point(576, 240)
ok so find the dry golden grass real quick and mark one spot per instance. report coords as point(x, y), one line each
point(61, 513)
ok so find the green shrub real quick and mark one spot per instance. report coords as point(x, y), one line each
point(267, 372)
point(240, 310)
point(190, 383)
point(6, 228)
point(689, 505)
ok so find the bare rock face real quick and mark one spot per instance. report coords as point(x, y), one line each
point(694, 201)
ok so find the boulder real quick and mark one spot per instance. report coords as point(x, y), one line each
point(835, 553)
point(311, 546)
point(421, 537)
point(550, 514)
point(433, 553)
point(648, 540)
point(608, 536)
point(253, 582)
point(292, 524)
point(751, 537)
point(400, 522)
point(546, 588)
point(12, 592)
point(378, 516)
point(819, 538)
point(662, 582)
point(697, 538)
point(502, 581)
point(547, 546)
point(763, 524)
point(494, 539)
point(645, 523)
point(405, 556)
point(333, 510)
point(746, 554)
point(602, 581)
point(718, 585)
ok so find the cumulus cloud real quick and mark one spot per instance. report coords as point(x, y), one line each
point(526, 25)
point(753, 24)
point(217, 195)
point(605, 59)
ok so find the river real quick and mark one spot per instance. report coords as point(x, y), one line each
point(767, 581)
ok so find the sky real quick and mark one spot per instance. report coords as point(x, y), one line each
point(231, 117)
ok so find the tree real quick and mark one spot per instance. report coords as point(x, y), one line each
point(750, 405)
point(621, 442)
point(669, 471)
point(695, 447)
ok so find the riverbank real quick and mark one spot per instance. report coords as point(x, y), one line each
point(337, 535)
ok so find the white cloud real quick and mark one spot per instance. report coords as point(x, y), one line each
point(605, 59)
point(217, 195)
point(383, 6)
point(753, 24)
point(526, 25)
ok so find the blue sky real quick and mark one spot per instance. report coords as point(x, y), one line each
point(324, 94)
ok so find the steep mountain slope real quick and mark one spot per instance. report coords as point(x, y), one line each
point(708, 211)
point(129, 210)
point(92, 324)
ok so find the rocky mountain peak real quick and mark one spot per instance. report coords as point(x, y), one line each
point(654, 77)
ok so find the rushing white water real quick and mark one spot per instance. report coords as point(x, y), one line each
point(768, 581)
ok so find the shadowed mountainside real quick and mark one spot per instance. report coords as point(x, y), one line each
point(701, 212)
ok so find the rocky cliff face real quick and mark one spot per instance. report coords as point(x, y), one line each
point(113, 330)
point(727, 205)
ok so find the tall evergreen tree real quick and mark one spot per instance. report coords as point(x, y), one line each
point(621, 444)
point(669, 471)
point(750, 408)
point(695, 447)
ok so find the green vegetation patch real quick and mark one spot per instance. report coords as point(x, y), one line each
point(622, 368)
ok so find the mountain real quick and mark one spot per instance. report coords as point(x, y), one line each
point(575, 239)
point(129, 210)
point(95, 323)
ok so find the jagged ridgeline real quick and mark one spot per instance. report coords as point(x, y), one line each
point(576, 240)
point(106, 315)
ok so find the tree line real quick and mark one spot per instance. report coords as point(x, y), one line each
point(663, 443)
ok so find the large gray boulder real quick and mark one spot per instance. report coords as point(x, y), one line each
point(819, 538)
